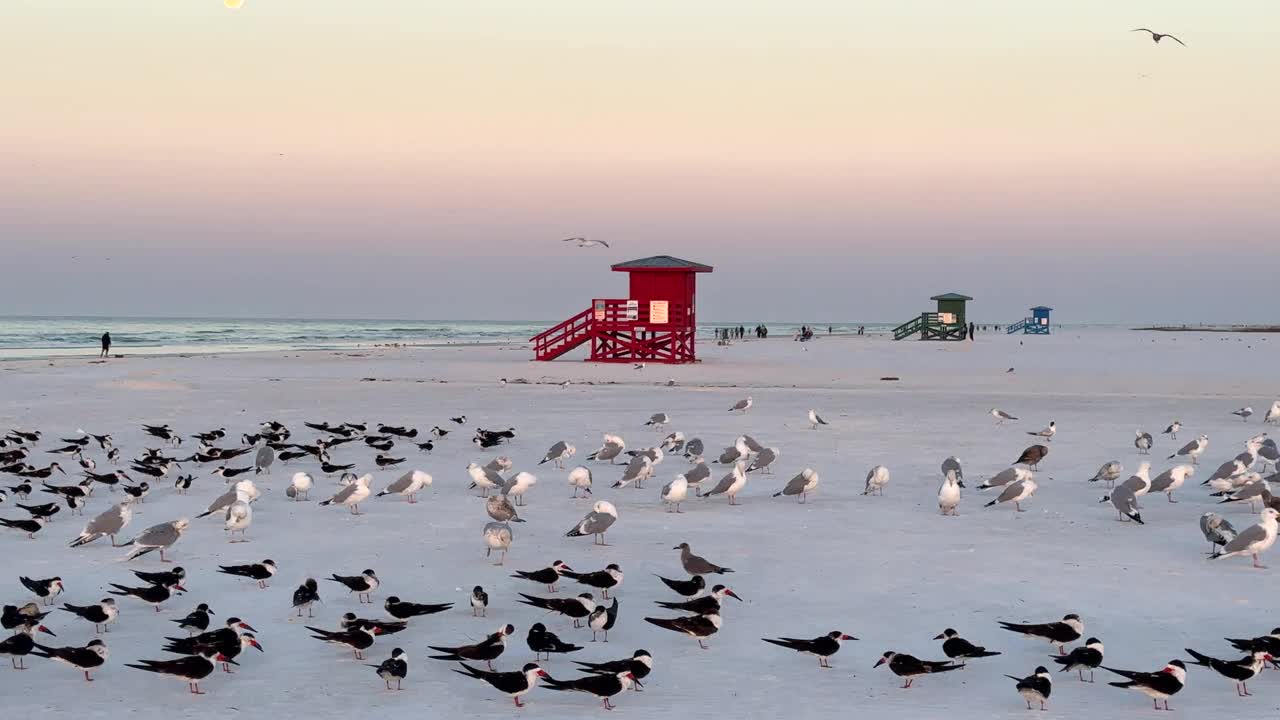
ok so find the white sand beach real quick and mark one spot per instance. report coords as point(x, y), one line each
point(889, 570)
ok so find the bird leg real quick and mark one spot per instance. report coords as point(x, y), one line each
point(1257, 565)
point(195, 688)
point(607, 705)
point(162, 557)
point(86, 676)
point(701, 645)
point(517, 702)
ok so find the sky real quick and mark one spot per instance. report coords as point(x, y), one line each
point(832, 160)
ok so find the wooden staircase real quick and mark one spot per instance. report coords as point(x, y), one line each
point(554, 342)
point(1017, 327)
point(911, 327)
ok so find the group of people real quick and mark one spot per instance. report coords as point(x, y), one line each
point(731, 333)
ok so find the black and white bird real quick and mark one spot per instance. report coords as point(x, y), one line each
point(822, 647)
point(403, 610)
point(709, 604)
point(687, 588)
point(1159, 686)
point(486, 651)
point(909, 667)
point(513, 684)
point(479, 600)
point(957, 648)
point(363, 584)
point(1193, 449)
point(1240, 671)
point(698, 627)
point(93, 655)
point(261, 571)
point(1067, 630)
point(1217, 530)
point(1034, 688)
point(191, 669)
point(640, 664)
point(359, 637)
point(101, 615)
point(548, 576)
point(155, 595)
point(544, 642)
point(815, 420)
point(1157, 37)
point(603, 580)
point(601, 686)
point(602, 619)
point(29, 526)
point(109, 523)
point(1086, 657)
point(742, 405)
point(1243, 413)
point(394, 668)
point(196, 621)
point(1001, 416)
point(658, 421)
point(596, 523)
point(1142, 441)
point(46, 588)
point(1269, 643)
point(307, 594)
point(163, 577)
point(575, 607)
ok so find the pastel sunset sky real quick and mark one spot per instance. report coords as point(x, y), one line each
point(834, 160)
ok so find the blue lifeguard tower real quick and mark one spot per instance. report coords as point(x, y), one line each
point(1037, 324)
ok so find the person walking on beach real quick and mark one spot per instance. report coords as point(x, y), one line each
point(971, 328)
point(106, 344)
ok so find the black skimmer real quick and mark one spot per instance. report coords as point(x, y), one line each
point(575, 607)
point(23, 490)
point(512, 684)
point(359, 638)
point(697, 565)
point(1087, 657)
point(909, 667)
point(1067, 630)
point(183, 483)
point(384, 461)
point(957, 648)
point(156, 471)
point(398, 431)
point(640, 664)
point(699, 627)
point(704, 605)
point(1241, 671)
point(1032, 456)
point(329, 468)
point(79, 490)
point(197, 621)
point(307, 594)
point(101, 615)
point(45, 511)
point(46, 589)
point(479, 601)
point(93, 655)
point(601, 686)
point(1269, 643)
point(45, 473)
point(439, 432)
point(20, 644)
point(137, 492)
point(191, 669)
point(229, 473)
point(402, 610)
point(426, 447)
point(261, 572)
point(350, 621)
point(604, 580)
point(395, 668)
point(71, 449)
point(13, 616)
point(287, 456)
point(30, 526)
point(546, 576)
point(486, 442)
point(362, 585)
point(166, 577)
point(110, 479)
point(1035, 687)
point(153, 594)
point(687, 588)
point(1159, 686)
point(541, 640)
point(823, 646)
point(164, 432)
point(602, 619)
point(460, 420)
point(487, 650)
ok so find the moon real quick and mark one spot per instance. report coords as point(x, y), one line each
point(233, 4)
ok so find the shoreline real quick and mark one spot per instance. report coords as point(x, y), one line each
point(1211, 328)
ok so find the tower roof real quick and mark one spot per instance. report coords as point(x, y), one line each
point(951, 296)
point(661, 262)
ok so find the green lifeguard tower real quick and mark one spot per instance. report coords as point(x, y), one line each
point(948, 323)
point(1037, 324)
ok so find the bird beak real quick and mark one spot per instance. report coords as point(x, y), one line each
point(733, 594)
point(64, 472)
point(257, 645)
point(848, 637)
point(543, 673)
point(939, 636)
point(676, 548)
point(179, 588)
point(248, 627)
point(960, 483)
point(878, 663)
point(377, 631)
point(46, 630)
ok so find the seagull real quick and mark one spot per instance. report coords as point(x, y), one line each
point(675, 492)
point(158, 537)
point(499, 508)
point(517, 485)
point(822, 647)
point(611, 448)
point(801, 485)
point(1016, 492)
point(815, 420)
point(957, 648)
point(877, 478)
point(586, 243)
point(1047, 433)
point(673, 443)
point(1088, 657)
point(1122, 498)
point(909, 667)
point(1216, 529)
point(1067, 630)
point(1032, 456)
point(1035, 687)
point(1142, 441)
point(1254, 540)
point(1172, 430)
point(1273, 415)
point(697, 565)
point(1243, 413)
point(1108, 473)
point(742, 405)
point(1001, 416)
point(1006, 476)
point(558, 453)
point(1157, 37)
point(1171, 479)
point(763, 460)
point(658, 421)
point(238, 518)
point(949, 494)
point(1193, 449)
point(484, 478)
point(408, 485)
point(695, 476)
point(109, 523)
point(1159, 686)
point(351, 495)
point(497, 536)
point(730, 485)
point(580, 479)
point(952, 463)
point(596, 523)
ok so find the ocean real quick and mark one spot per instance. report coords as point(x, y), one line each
point(35, 337)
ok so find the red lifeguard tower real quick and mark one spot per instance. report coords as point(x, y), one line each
point(656, 323)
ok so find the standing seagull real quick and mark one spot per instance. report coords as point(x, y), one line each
point(300, 486)
point(675, 492)
point(109, 523)
point(1108, 473)
point(1254, 540)
point(558, 453)
point(238, 518)
point(696, 564)
point(1001, 416)
point(801, 485)
point(1047, 433)
point(815, 420)
point(658, 421)
point(1157, 37)
point(497, 536)
point(602, 516)
point(1142, 441)
point(1243, 413)
point(1125, 503)
point(877, 478)
point(1193, 449)
point(731, 484)
point(408, 485)
point(1217, 530)
point(1172, 430)
point(580, 479)
point(1273, 415)
point(949, 494)
point(742, 405)
point(351, 495)
point(158, 537)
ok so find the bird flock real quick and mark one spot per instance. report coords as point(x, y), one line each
point(201, 646)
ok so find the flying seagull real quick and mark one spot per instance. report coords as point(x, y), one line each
point(1157, 37)
point(585, 243)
